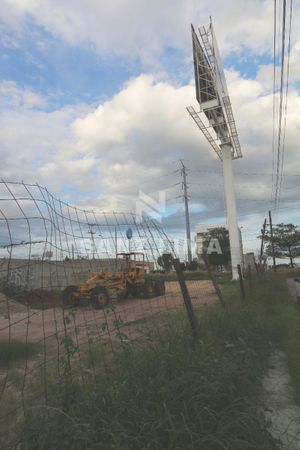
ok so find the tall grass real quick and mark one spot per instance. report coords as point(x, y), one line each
point(14, 351)
point(284, 317)
point(166, 392)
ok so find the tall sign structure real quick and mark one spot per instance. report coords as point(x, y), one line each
point(220, 130)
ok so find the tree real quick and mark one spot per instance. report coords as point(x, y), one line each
point(165, 261)
point(216, 244)
point(193, 265)
point(286, 241)
point(183, 266)
point(47, 255)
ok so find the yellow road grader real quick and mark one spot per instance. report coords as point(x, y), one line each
point(129, 279)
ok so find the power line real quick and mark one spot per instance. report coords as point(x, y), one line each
point(279, 149)
point(286, 94)
point(219, 172)
point(278, 156)
point(274, 96)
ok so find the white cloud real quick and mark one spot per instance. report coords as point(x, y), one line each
point(36, 144)
point(105, 155)
point(142, 107)
point(139, 134)
point(11, 95)
point(144, 29)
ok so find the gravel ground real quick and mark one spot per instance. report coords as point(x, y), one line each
point(282, 411)
point(10, 306)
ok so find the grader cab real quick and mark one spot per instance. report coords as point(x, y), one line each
point(128, 279)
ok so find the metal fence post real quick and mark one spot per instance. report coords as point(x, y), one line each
point(242, 287)
point(186, 297)
point(213, 280)
point(250, 276)
point(257, 270)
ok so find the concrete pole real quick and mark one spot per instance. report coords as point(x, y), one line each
point(234, 234)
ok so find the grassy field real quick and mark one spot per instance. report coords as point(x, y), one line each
point(168, 391)
point(281, 314)
point(15, 351)
point(188, 275)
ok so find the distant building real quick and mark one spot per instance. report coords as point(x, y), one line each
point(202, 228)
point(249, 260)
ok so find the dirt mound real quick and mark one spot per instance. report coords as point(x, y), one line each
point(42, 298)
point(13, 305)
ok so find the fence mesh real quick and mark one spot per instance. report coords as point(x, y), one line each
point(46, 246)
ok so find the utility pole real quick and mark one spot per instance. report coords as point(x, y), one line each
point(116, 240)
point(93, 244)
point(187, 215)
point(263, 232)
point(272, 242)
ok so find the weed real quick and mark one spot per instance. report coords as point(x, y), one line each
point(164, 393)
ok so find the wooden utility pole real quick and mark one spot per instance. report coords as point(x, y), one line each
point(263, 232)
point(272, 242)
point(249, 273)
point(242, 287)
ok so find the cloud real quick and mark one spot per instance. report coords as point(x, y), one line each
point(102, 157)
point(141, 107)
point(142, 131)
point(37, 144)
point(12, 96)
point(145, 30)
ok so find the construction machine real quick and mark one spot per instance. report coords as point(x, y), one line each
point(128, 279)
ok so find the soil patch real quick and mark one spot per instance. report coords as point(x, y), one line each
point(85, 323)
point(9, 306)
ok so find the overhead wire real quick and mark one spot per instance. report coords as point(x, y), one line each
point(237, 172)
point(286, 96)
point(274, 95)
point(281, 94)
point(281, 120)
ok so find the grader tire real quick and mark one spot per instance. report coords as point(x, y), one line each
point(100, 297)
point(67, 296)
point(149, 289)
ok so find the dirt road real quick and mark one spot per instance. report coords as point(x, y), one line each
point(44, 326)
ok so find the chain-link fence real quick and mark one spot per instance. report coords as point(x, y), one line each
point(75, 287)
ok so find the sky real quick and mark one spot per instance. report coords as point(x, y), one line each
point(93, 102)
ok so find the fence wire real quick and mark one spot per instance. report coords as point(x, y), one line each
point(46, 246)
